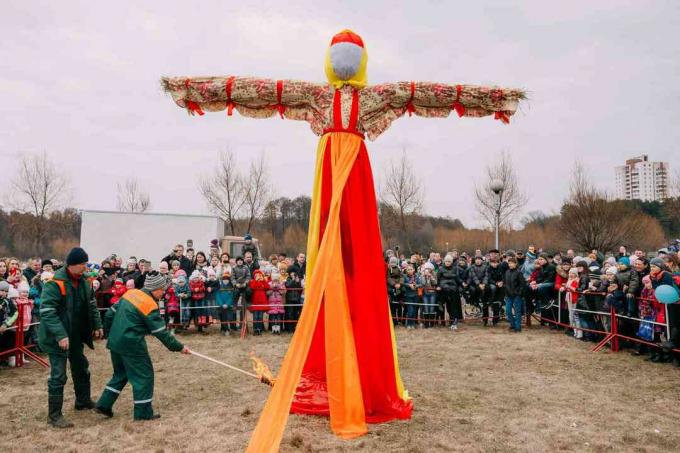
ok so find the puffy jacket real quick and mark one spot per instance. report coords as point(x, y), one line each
point(478, 275)
point(409, 292)
point(294, 293)
point(394, 276)
point(240, 275)
point(449, 278)
point(225, 293)
point(495, 274)
point(258, 301)
point(275, 298)
point(429, 283)
point(514, 282)
point(197, 289)
point(171, 301)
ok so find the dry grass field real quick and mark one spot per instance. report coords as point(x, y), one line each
point(474, 390)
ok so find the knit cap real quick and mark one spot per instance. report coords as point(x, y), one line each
point(4, 286)
point(154, 282)
point(76, 256)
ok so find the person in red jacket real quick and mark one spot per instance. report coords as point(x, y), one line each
point(117, 290)
point(258, 301)
point(197, 286)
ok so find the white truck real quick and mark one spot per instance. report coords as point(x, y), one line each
point(145, 235)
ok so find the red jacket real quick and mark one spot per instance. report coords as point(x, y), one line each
point(197, 289)
point(118, 289)
point(258, 301)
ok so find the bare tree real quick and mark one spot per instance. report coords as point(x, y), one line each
point(39, 188)
point(224, 191)
point(501, 207)
point(402, 192)
point(595, 221)
point(256, 191)
point(131, 198)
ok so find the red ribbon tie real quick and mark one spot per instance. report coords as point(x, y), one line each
point(457, 105)
point(410, 108)
point(279, 90)
point(230, 103)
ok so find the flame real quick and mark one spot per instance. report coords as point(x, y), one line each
point(262, 370)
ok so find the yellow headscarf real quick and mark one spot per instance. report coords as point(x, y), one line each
point(358, 80)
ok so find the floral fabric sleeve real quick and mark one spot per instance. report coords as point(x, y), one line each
point(384, 103)
point(252, 97)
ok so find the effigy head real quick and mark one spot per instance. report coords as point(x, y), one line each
point(346, 60)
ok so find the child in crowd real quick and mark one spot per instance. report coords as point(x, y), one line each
point(569, 291)
point(197, 286)
point(275, 295)
point(8, 317)
point(212, 284)
point(613, 297)
point(25, 304)
point(293, 301)
point(130, 284)
point(429, 284)
point(224, 299)
point(492, 308)
point(183, 292)
point(514, 283)
point(117, 290)
point(411, 285)
point(174, 267)
point(650, 309)
point(172, 307)
point(259, 302)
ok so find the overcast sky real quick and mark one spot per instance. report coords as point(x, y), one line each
point(80, 80)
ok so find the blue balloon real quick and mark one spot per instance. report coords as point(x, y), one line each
point(666, 294)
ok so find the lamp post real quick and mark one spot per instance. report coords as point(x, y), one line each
point(496, 186)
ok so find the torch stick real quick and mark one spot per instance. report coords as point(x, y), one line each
point(262, 379)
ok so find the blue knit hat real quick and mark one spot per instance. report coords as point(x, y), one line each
point(625, 261)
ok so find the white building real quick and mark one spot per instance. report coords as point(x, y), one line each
point(641, 179)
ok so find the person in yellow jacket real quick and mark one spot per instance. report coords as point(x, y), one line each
point(135, 316)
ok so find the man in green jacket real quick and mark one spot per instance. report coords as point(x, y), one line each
point(136, 315)
point(69, 319)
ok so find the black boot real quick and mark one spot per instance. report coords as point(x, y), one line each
point(54, 415)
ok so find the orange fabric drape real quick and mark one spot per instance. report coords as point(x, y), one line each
point(324, 280)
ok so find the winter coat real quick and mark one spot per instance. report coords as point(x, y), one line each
point(635, 287)
point(449, 278)
point(73, 315)
point(240, 275)
point(197, 288)
point(478, 275)
point(171, 301)
point(411, 293)
point(211, 288)
point(547, 274)
point(570, 295)
point(117, 290)
point(294, 291)
point(514, 283)
point(429, 283)
point(137, 315)
point(183, 292)
point(275, 296)
point(26, 307)
point(258, 300)
point(624, 279)
point(8, 312)
point(495, 274)
point(224, 297)
point(250, 248)
point(394, 277)
point(528, 266)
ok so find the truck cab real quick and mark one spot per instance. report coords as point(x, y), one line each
point(233, 245)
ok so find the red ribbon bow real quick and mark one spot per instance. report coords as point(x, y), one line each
point(500, 115)
point(410, 108)
point(230, 103)
point(194, 107)
point(457, 105)
point(279, 90)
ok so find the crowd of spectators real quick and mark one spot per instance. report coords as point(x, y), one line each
point(566, 291)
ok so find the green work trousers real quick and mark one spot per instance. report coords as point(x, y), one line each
point(139, 371)
point(80, 373)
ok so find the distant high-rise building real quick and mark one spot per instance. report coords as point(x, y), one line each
point(641, 179)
